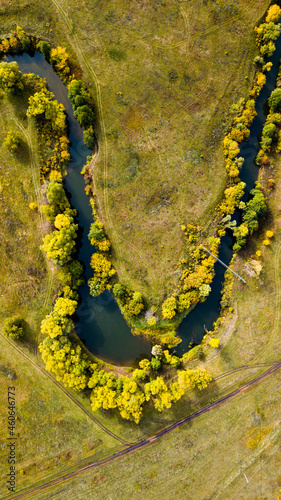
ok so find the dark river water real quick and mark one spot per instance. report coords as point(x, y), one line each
point(98, 320)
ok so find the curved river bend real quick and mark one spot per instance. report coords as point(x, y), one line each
point(98, 320)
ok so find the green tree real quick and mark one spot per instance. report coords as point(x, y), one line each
point(120, 292)
point(88, 138)
point(77, 94)
point(155, 364)
point(45, 48)
point(274, 100)
point(84, 116)
point(12, 141)
point(67, 361)
point(56, 195)
point(96, 231)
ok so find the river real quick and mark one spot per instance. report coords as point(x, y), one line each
point(98, 320)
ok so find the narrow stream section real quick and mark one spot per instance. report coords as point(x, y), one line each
point(99, 322)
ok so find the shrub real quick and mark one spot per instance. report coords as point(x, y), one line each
point(13, 327)
point(77, 94)
point(88, 138)
point(269, 234)
point(169, 308)
point(12, 141)
point(214, 342)
point(45, 48)
point(10, 77)
point(120, 292)
point(155, 364)
point(117, 55)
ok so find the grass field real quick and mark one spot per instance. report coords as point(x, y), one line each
point(206, 459)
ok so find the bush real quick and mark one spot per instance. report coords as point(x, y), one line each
point(117, 55)
point(96, 231)
point(45, 48)
point(88, 138)
point(12, 141)
point(169, 308)
point(120, 292)
point(13, 327)
point(214, 343)
point(155, 364)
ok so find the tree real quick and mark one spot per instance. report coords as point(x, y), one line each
point(84, 116)
point(59, 59)
point(120, 292)
point(45, 48)
point(11, 79)
point(14, 327)
point(24, 40)
point(170, 359)
point(60, 244)
point(144, 364)
point(214, 342)
point(158, 390)
point(88, 138)
point(157, 351)
point(65, 306)
point(133, 304)
point(56, 325)
point(189, 379)
point(42, 103)
point(96, 231)
point(12, 141)
point(204, 290)
point(155, 364)
point(77, 94)
point(56, 195)
point(67, 361)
